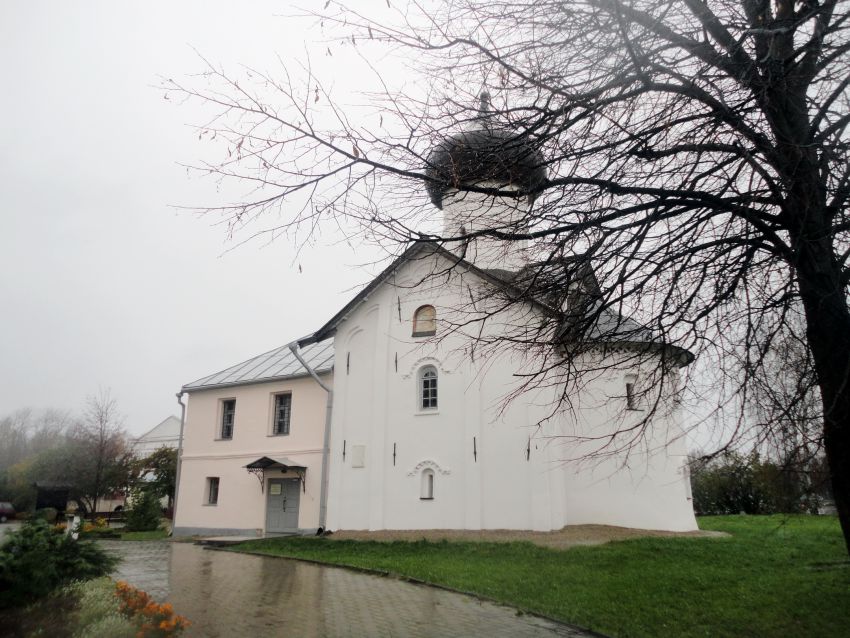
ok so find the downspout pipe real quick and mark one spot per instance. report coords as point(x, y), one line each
point(179, 459)
point(326, 445)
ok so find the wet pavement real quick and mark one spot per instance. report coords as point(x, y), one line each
point(228, 594)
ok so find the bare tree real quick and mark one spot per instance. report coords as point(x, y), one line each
point(25, 435)
point(98, 459)
point(91, 455)
point(694, 160)
point(14, 438)
point(785, 401)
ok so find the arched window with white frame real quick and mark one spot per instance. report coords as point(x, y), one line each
point(428, 388)
point(425, 321)
point(426, 489)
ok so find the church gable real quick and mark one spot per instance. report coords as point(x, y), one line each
point(429, 287)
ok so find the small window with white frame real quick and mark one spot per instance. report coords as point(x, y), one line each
point(228, 418)
point(212, 490)
point(631, 393)
point(425, 321)
point(426, 489)
point(428, 388)
point(282, 414)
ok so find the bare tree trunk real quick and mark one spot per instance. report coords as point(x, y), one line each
point(828, 330)
point(818, 271)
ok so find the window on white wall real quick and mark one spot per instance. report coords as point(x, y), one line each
point(426, 492)
point(425, 321)
point(358, 456)
point(631, 395)
point(282, 413)
point(428, 388)
point(228, 417)
point(212, 490)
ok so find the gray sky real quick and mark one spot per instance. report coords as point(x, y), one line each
point(103, 283)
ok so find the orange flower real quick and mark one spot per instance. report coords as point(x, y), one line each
point(155, 620)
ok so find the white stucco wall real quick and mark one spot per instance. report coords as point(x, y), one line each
point(166, 434)
point(475, 212)
point(523, 477)
point(241, 506)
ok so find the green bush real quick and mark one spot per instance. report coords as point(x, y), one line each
point(37, 559)
point(144, 512)
point(733, 483)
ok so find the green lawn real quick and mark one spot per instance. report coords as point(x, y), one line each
point(156, 535)
point(776, 576)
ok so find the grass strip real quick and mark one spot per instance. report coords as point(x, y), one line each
point(776, 575)
point(156, 535)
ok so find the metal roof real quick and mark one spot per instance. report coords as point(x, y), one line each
point(276, 364)
point(264, 462)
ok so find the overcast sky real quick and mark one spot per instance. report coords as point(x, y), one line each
point(104, 284)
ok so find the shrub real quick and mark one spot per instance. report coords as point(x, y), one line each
point(733, 483)
point(97, 614)
point(37, 559)
point(144, 512)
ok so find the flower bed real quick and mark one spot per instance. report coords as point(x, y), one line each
point(154, 619)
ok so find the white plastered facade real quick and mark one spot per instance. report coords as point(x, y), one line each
point(496, 464)
point(240, 508)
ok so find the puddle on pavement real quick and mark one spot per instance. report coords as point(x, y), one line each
point(227, 594)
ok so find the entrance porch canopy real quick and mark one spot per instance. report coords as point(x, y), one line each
point(258, 468)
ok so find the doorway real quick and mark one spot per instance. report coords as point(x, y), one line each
point(282, 505)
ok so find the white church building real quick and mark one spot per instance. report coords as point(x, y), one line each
point(409, 408)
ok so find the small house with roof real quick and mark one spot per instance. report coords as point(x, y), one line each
point(252, 445)
point(164, 434)
point(407, 410)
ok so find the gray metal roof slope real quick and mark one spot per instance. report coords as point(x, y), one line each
point(279, 363)
point(169, 426)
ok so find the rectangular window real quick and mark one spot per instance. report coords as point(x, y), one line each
point(631, 396)
point(212, 490)
point(358, 456)
point(429, 389)
point(228, 416)
point(282, 413)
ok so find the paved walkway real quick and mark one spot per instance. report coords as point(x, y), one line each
point(227, 594)
point(145, 565)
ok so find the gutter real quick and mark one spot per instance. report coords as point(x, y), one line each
point(179, 459)
point(326, 449)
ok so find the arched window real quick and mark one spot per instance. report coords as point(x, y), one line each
point(426, 489)
point(631, 395)
point(428, 388)
point(424, 321)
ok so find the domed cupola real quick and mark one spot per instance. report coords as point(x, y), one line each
point(489, 157)
point(484, 155)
